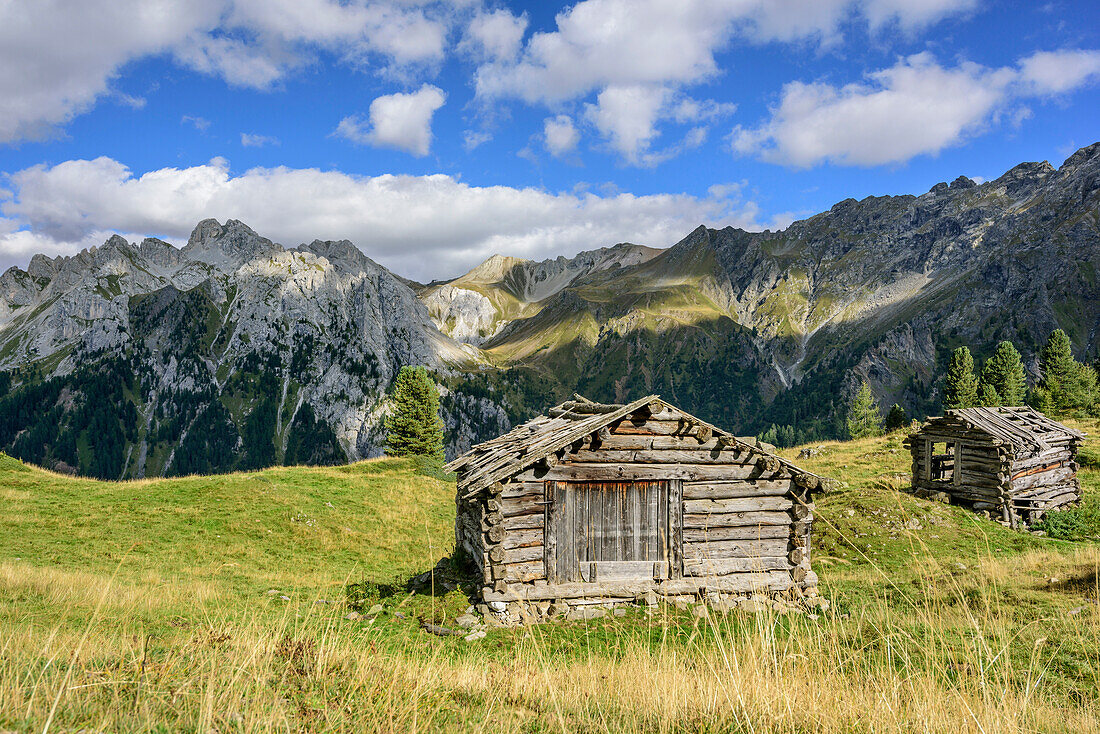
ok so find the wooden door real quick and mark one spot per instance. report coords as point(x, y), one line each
point(600, 531)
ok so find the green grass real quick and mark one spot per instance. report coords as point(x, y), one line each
point(146, 604)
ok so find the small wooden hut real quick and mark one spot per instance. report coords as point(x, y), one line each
point(1014, 463)
point(615, 502)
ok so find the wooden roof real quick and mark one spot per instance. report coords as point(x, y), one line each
point(564, 424)
point(1025, 429)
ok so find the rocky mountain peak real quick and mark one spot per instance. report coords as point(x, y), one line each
point(226, 246)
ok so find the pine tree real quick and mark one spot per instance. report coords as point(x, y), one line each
point(1068, 385)
point(960, 387)
point(1005, 374)
point(896, 419)
point(414, 428)
point(988, 397)
point(863, 418)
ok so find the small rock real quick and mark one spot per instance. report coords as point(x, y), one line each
point(284, 597)
point(583, 614)
point(466, 621)
point(649, 599)
point(376, 609)
point(399, 615)
point(558, 609)
point(1074, 612)
point(850, 513)
point(353, 616)
point(913, 524)
point(270, 592)
point(497, 606)
point(473, 636)
point(469, 609)
point(960, 566)
point(619, 612)
point(1052, 580)
point(1039, 533)
point(752, 606)
point(700, 611)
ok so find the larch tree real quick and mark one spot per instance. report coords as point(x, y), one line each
point(863, 418)
point(414, 428)
point(960, 387)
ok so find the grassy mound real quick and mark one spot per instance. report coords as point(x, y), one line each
point(217, 603)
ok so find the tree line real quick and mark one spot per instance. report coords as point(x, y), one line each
point(1065, 387)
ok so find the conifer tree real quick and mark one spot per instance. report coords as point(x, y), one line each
point(896, 419)
point(960, 388)
point(1005, 374)
point(863, 418)
point(1067, 386)
point(414, 428)
point(988, 397)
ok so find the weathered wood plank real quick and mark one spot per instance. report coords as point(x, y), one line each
point(736, 519)
point(513, 490)
point(738, 504)
point(527, 504)
point(771, 547)
point(723, 566)
point(675, 534)
point(522, 538)
point(738, 488)
point(663, 456)
point(522, 555)
point(527, 571)
point(523, 522)
point(649, 472)
point(744, 532)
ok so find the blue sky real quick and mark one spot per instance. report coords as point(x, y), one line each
point(434, 134)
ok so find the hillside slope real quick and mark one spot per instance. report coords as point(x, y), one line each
point(218, 602)
point(878, 290)
point(231, 352)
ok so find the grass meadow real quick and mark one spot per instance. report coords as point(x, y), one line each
point(216, 604)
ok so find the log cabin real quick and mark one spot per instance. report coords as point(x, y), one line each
point(617, 502)
point(1013, 463)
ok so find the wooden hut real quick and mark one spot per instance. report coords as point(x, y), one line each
point(1014, 463)
point(615, 502)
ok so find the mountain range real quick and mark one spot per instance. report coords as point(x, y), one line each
point(132, 360)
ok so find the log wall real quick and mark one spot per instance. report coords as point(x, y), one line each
point(990, 478)
point(743, 522)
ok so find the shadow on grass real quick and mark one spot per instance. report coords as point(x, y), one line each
point(450, 573)
point(1086, 583)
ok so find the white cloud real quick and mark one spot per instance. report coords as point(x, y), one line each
point(421, 226)
point(627, 116)
point(635, 53)
point(1055, 72)
point(399, 121)
point(495, 36)
point(915, 107)
point(560, 135)
point(57, 57)
point(252, 140)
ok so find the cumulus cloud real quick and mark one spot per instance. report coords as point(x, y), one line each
point(57, 57)
point(421, 226)
point(912, 108)
point(639, 55)
point(399, 121)
point(1055, 72)
point(495, 36)
point(560, 135)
